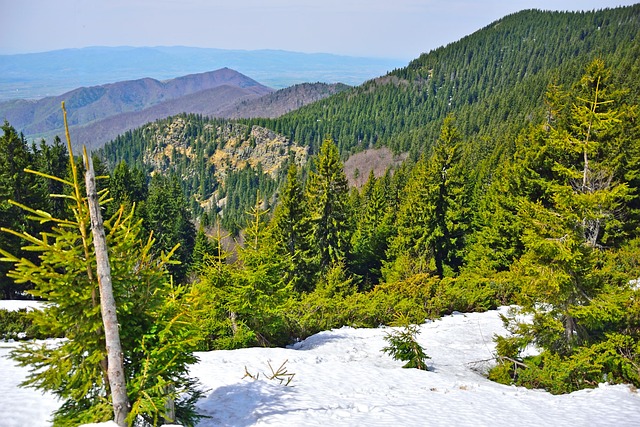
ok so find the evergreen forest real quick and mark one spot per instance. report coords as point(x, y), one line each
point(521, 187)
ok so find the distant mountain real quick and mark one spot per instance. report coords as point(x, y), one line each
point(37, 75)
point(281, 102)
point(227, 101)
point(99, 113)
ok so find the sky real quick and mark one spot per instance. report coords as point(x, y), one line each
point(399, 29)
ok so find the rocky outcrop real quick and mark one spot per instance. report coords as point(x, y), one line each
point(232, 146)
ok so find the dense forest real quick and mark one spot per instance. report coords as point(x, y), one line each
point(492, 81)
point(521, 187)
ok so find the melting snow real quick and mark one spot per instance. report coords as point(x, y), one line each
point(343, 379)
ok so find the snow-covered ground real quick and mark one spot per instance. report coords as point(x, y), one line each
point(15, 305)
point(343, 379)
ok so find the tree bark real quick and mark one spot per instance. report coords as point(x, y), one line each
point(115, 372)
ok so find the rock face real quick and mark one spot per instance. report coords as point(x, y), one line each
point(263, 147)
point(216, 150)
point(237, 146)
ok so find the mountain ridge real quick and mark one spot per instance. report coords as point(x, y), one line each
point(87, 105)
point(36, 75)
point(224, 101)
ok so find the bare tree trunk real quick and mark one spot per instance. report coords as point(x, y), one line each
point(117, 382)
point(170, 406)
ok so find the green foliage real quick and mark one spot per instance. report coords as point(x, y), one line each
point(332, 304)
point(17, 325)
point(613, 360)
point(531, 198)
point(23, 188)
point(203, 251)
point(404, 347)
point(239, 303)
point(127, 187)
point(291, 229)
point(155, 330)
point(327, 195)
point(433, 216)
point(374, 220)
point(573, 276)
point(167, 218)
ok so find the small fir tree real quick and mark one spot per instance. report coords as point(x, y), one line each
point(403, 345)
point(155, 331)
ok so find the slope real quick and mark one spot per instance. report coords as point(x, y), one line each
point(492, 81)
point(343, 379)
point(86, 105)
point(226, 101)
point(282, 101)
point(37, 75)
point(208, 102)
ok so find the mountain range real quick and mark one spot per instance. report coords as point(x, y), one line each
point(98, 114)
point(38, 75)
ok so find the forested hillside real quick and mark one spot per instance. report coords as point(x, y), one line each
point(493, 81)
point(519, 185)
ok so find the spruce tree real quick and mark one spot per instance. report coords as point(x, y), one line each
point(23, 188)
point(434, 215)
point(578, 304)
point(168, 218)
point(157, 339)
point(240, 302)
point(373, 231)
point(327, 195)
point(291, 229)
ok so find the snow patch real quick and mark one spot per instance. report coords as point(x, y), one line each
point(15, 305)
point(342, 378)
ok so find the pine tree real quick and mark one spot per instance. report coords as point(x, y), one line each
point(327, 195)
point(434, 215)
point(291, 228)
point(157, 340)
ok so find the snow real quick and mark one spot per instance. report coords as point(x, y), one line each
point(342, 378)
point(15, 305)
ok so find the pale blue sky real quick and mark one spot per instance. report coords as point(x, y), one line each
point(382, 28)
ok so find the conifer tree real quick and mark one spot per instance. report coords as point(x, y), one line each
point(240, 303)
point(580, 311)
point(373, 231)
point(157, 340)
point(566, 230)
point(127, 187)
point(203, 251)
point(327, 195)
point(20, 187)
point(291, 228)
point(434, 215)
point(168, 218)
point(53, 160)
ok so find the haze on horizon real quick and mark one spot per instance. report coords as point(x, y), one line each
point(402, 29)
